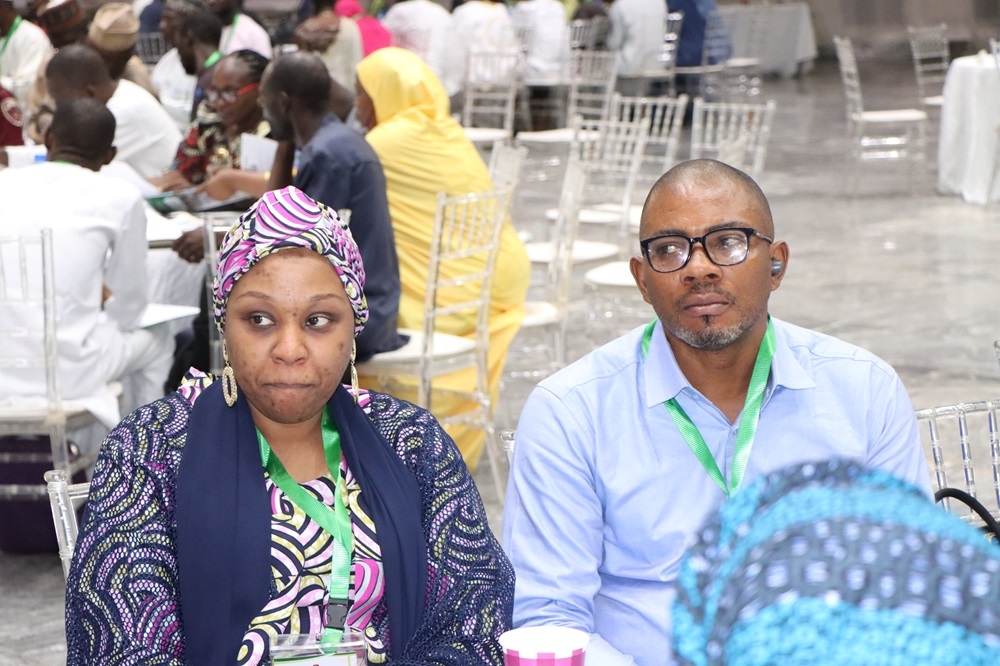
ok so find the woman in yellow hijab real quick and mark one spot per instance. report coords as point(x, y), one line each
point(423, 152)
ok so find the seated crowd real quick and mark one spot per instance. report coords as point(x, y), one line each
point(285, 497)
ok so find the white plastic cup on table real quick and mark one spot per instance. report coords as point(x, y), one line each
point(544, 646)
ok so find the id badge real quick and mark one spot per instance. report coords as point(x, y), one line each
point(318, 650)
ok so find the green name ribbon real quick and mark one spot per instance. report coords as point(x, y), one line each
point(748, 422)
point(335, 521)
point(10, 33)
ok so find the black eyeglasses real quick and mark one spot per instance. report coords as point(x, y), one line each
point(724, 247)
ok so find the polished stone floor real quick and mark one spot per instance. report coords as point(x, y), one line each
point(896, 268)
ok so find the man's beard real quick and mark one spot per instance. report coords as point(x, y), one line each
point(712, 338)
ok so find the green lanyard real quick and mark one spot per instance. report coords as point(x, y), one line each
point(229, 37)
point(212, 59)
point(6, 40)
point(335, 521)
point(748, 423)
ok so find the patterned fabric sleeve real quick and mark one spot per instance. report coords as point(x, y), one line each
point(122, 596)
point(470, 581)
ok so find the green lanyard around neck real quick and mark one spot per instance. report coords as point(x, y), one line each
point(748, 422)
point(10, 33)
point(335, 521)
point(232, 29)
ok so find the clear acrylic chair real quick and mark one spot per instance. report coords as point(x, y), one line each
point(715, 52)
point(614, 303)
point(215, 225)
point(492, 80)
point(582, 34)
point(542, 350)
point(743, 73)
point(150, 47)
point(591, 84)
point(964, 441)
point(505, 164)
point(929, 47)
point(887, 134)
point(665, 116)
point(29, 351)
point(463, 254)
point(732, 132)
point(65, 498)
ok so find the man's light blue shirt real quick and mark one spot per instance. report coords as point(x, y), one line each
point(605, 495)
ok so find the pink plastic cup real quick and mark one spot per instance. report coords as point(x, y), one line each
point(544, 646)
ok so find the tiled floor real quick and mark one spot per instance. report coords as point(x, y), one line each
point(900, 270)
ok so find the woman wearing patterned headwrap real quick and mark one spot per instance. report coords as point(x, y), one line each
point(423, 151)
point(828, 564)
point(278, 501)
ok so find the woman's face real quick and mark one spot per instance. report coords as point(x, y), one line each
point(364, 106)
point(232, 94)
point(289, 329)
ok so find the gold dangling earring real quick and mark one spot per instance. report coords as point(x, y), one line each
point(354, 371)
point(229, 390)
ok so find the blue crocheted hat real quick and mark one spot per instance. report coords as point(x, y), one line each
point(831, 564)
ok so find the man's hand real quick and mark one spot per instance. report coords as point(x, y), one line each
point(191, 245)
point(170, 181)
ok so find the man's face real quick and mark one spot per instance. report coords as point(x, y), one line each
point(186, 53)
point(170, 22)
point(275, 112)
point(703, 305)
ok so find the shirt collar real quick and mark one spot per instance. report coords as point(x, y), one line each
point(664, 380)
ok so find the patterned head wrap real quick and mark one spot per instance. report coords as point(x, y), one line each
point(288, 219)
point(830, 563)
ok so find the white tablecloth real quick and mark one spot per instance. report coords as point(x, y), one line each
point(789, 38)
point(969, 121)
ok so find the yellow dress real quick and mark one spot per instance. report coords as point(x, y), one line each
point(423, 152)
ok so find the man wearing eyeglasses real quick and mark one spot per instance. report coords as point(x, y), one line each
point(621, 456)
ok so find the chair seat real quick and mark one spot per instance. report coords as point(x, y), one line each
point(614, 274)
point(892, 116)
point(743, 62)
point(561, 135)
point(543, 252)
point(445, 347)
point(934, 100)
point(700, 69)
point(539, 313)
point(485, 134)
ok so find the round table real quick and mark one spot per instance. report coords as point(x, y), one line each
point(970, 118)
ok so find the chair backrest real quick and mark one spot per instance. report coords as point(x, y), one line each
point(558, 279)
point(28, 323)
point(214, 223)
point(592, 76)
point(613, 152)
point(581, 33)
point(463, 253)
point(995, 49)
point(964, 441)
point(929, 46)
point(734, 133)
point(65, 498)
point(150, 47)
point(417, 40)
point(850, 78)
point(505, 164)
point(490, 91)
point(665, 116)
point(671, 39)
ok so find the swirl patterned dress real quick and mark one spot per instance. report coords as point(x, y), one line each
point(123, 601)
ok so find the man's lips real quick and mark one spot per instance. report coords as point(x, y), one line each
point(705, 305)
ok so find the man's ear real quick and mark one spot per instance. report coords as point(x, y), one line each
point(109, 156)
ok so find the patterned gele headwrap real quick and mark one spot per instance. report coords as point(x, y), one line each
point(288, 219)
point(830, 563)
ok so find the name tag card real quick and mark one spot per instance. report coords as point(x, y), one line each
point(318, 650)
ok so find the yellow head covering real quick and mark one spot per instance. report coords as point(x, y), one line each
point(398, 80)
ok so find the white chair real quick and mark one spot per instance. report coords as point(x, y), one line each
point(29, 350)
point(505, 164)
point(929, 46)
point(582, 34)
point(548, 318)
point(716, 50)
point(896, 134)
point(734, 133)
point(463, 255)
point(490, 91)
point(591, 83)
point(964, 440)
point(65, 498)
